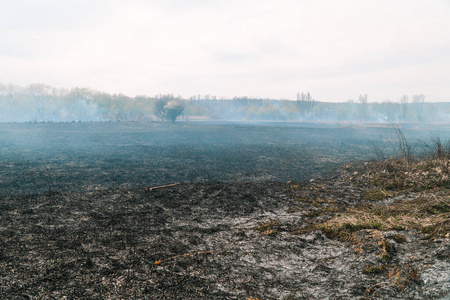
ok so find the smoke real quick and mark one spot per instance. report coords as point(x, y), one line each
point(42, 103)
point(30, 110)
point(81, 110)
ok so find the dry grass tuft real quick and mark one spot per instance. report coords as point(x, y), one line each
point(268, 228)
point(372, 269)
point(371, 241)
point(429, 214)
point(401, 175)
point(403, 276)
point(376, 194)
point(400, 277)
point(407, 169)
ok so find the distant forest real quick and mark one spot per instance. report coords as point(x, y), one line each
point(43, 103)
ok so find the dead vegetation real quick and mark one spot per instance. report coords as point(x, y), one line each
point(376, 194)
point(403, 175)
point(417, 184)
point(429, 214)
point(371, 269)
point(408, 168)
point(399, 277)
point(371, 241)
point(424, 175)
point(269, 228)
point(407, 191)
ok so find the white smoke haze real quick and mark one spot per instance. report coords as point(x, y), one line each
point(44, 103)
point(262, 49)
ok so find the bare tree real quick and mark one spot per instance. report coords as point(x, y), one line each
point(363, 107)
point(388, 108)
point(404, 107)
point(41, 95)
point(418, 101)
point(305, 104)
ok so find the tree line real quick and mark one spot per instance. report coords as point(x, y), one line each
point(44, 103)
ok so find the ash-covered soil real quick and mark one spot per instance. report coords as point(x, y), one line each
point(210, 241)
point(78, 220)
point(67, 157)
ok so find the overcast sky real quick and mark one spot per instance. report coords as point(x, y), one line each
point(334, 49)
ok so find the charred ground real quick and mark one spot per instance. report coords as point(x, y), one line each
point(237, 239)
point(36, 158)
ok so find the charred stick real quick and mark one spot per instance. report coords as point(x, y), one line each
point(163, 186)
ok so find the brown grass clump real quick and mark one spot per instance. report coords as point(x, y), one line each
point(407, 169)
point(342, 226)
point(400, 277)
point(429, 214)
point(371, 241)
point(399, 174)
point(268, 228)
point(376, 194)
point(403, 276)
point(371, 269)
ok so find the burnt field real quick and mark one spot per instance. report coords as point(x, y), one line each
point(42, 157)
point(78, 219)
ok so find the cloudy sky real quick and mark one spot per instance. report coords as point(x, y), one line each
point(335, 49)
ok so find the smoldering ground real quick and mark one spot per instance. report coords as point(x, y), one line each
point(78, 219)
point(86, 156)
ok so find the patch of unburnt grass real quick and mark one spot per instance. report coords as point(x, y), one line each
point(405, 171)
point(376, 194)
point(428, 214)
point(322, 211)
point(407, 167)
point(402, 175)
